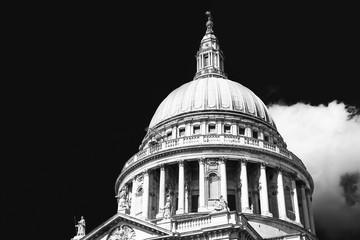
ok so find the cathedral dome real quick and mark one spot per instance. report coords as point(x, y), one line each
point(211, 94)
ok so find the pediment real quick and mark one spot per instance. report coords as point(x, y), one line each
point(122, 226)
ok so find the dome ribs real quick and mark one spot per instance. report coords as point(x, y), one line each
point(212, 94)
point(199, 95)
point(225, 95)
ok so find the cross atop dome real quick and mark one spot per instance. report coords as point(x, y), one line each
point(209, 23)
point(209, 58)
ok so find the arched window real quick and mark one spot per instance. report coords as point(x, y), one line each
point(214, 186)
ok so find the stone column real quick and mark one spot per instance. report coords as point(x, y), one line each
point(263, 191)
point(281, 195)
point(202, 206)
point(145, 201)
point(197, 63)
point(133, 196)
point(295, 201)
point(244, 188)
point(181, 191)
point(161, 191)
point(223, 186)
point(311, 217)
point(305, 207)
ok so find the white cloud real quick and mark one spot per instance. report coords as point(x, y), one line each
point(329, 145)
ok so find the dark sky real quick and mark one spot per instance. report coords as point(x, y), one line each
point(88, 79)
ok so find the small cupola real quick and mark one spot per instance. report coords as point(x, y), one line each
point(209, 58)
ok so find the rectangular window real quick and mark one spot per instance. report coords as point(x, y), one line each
point(227, 129)
point(196, 129)
point(181, 132)
point(168, 135)
point(241, 131)
point(266, 138)
point(255, 134)
point(211, 128)
point(206, 59)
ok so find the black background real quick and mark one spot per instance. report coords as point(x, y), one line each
point(85, 80)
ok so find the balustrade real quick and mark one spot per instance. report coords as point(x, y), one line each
point(251, 141)
point(171, 143)
point(211, 139)
point(155, 148)
point(192, 140)
point(232, 139)
point(269, 146)
point(193, 223)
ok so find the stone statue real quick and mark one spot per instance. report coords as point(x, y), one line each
point(123, 198)
point(221, 205)
point(81, 227)
point(167, 208)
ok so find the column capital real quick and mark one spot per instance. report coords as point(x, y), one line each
point(181, 162)
point(292, 176)
point(243, 161)
point(146, 172)
point(162, 166)
point(222, 160)
point(302, 184)
point(279, 170)
point(139, 177)
point(263, 164)
point(201, 160)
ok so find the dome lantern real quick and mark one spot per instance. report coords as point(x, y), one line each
point(209, 58)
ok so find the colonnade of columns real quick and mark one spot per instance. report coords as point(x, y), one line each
point(182, 206)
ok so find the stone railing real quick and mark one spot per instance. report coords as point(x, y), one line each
point(193, 223)
point(221, 139)
point(197, 223)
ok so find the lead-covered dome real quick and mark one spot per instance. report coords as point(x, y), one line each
point(211, 93)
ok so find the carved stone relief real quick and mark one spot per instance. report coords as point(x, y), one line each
point(122, 232)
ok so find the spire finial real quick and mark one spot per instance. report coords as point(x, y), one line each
point(209, 23)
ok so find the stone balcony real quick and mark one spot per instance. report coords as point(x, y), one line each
point(218, 139)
